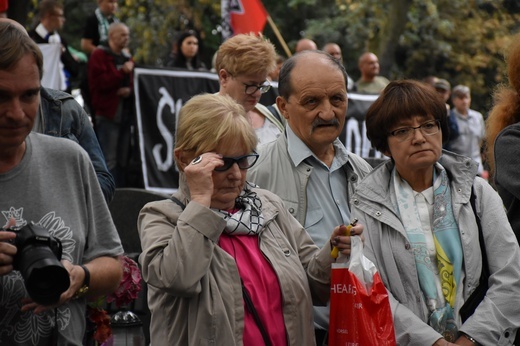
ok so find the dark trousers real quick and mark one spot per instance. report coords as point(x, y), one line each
point(322, 337)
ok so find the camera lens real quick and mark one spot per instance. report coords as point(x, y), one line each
point(45, 277)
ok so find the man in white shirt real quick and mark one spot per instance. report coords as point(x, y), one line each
point(52, 19)
point(471, 126)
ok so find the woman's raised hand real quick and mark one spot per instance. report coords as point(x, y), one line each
point(199, 176)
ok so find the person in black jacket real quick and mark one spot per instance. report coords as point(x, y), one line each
point(52, 19)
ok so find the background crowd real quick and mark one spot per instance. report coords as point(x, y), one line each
point(185, 51)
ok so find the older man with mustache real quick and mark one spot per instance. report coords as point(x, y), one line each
point(307, 166)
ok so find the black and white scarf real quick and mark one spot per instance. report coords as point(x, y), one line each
point(248, 220)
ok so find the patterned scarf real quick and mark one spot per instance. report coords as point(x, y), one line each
point(248, 220)
point(447, 245)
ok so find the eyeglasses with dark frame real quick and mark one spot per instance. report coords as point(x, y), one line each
point(250, 89)
point(428, 128)
point(243, 162)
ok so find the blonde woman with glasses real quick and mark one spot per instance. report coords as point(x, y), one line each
point(243, 65)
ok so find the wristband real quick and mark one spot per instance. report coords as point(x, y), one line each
point(86, 282)
point(470, 339)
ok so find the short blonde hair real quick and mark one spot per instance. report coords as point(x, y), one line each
point(246, 54)
point(208, 121)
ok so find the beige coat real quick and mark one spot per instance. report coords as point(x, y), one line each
point(195, 294)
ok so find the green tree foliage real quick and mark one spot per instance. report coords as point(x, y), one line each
point(459, 40)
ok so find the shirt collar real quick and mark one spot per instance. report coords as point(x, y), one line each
point(427, 194)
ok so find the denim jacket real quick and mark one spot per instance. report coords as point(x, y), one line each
point(64, 117)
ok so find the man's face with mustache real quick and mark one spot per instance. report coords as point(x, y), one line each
point(317, 107)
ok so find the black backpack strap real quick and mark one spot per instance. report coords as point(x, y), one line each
point(485, 267)
point(469, 306)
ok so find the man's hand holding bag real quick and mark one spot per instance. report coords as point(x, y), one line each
point(360, 312)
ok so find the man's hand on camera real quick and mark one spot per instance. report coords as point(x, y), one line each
point(76, 275)
point(7, 250)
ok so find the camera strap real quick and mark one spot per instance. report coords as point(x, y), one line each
point(251, 308)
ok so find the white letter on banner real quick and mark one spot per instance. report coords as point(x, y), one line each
point(353, 137)
point(166, 100)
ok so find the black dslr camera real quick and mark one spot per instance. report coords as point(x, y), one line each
point(38, 260)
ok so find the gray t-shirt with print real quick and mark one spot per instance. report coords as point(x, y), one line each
point(54, 186)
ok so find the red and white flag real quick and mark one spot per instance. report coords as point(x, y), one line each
point(242, 16)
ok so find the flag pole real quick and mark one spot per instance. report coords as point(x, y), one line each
point(279, 36)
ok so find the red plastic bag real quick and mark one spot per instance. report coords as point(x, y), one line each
point(360, 312)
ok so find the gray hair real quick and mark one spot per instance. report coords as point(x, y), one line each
point(460, 91)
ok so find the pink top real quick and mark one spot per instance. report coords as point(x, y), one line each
point(262, 285)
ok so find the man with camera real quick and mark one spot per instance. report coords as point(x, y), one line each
point(51, 209)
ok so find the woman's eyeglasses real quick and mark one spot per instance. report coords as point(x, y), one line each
point(243, 162)
point(252, 88)
point(429, 128)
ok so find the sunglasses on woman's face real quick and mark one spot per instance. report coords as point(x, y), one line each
point(243, 162)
